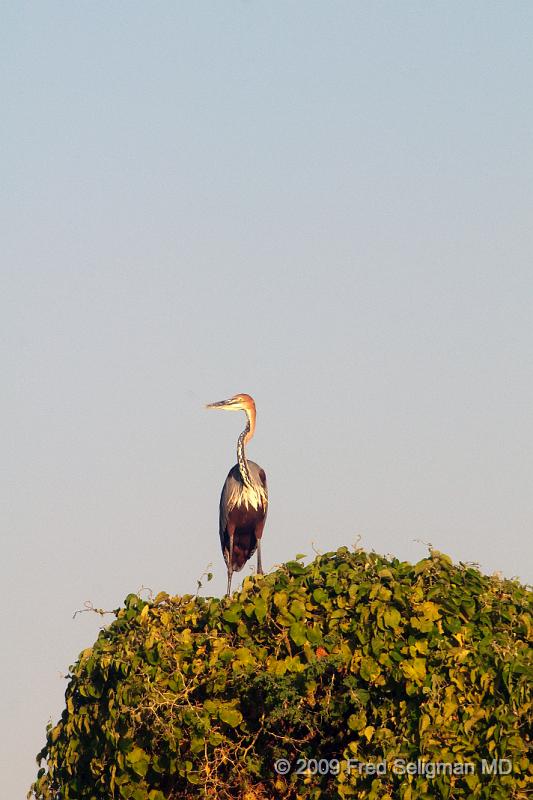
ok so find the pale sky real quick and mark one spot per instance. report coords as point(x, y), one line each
point(328, 205)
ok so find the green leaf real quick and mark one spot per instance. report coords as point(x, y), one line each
point(356, 722)
point(425, 721)
point(137, 754)
point(197, 744)
point(294, 664)
point(369, 732)
point(392, 618)
point(297, 609)
point(385, 573)
point(231, 716)
point(314, 635)
point(415, 669)
point(244, 655)
point(298, 633)
point(139, 760)
point(295, 568)
point(260, 609)
point(369, 669)
point(320, 595)
point(233, 613)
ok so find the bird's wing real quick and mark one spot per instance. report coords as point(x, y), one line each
point(259, 478)
point(230, 491)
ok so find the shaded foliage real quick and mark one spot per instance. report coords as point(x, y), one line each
point(353, 656)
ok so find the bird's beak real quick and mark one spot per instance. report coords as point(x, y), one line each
point(228, 405)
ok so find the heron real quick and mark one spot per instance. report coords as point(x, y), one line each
point(244, 498)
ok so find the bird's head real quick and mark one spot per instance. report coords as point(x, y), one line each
point(239, 402)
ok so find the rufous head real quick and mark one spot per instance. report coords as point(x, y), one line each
point(239, 402)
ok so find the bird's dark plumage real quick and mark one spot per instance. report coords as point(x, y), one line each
point(240, 516)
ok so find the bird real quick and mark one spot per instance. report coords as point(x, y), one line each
point(244, 498)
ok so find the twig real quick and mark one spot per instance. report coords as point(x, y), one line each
point(89, 607)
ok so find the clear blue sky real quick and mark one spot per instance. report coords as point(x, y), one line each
point(328, 205)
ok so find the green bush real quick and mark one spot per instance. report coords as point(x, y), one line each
point(353, 659)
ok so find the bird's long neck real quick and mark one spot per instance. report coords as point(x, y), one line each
point(245, 436)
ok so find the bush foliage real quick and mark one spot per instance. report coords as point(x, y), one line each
point(352, 658)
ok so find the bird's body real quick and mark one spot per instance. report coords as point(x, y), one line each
point(244, 498)
point(242, 510)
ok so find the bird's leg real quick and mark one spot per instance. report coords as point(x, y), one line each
point(230, 562)
point(259, 565)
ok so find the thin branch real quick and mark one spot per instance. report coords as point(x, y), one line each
point(90, 607)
